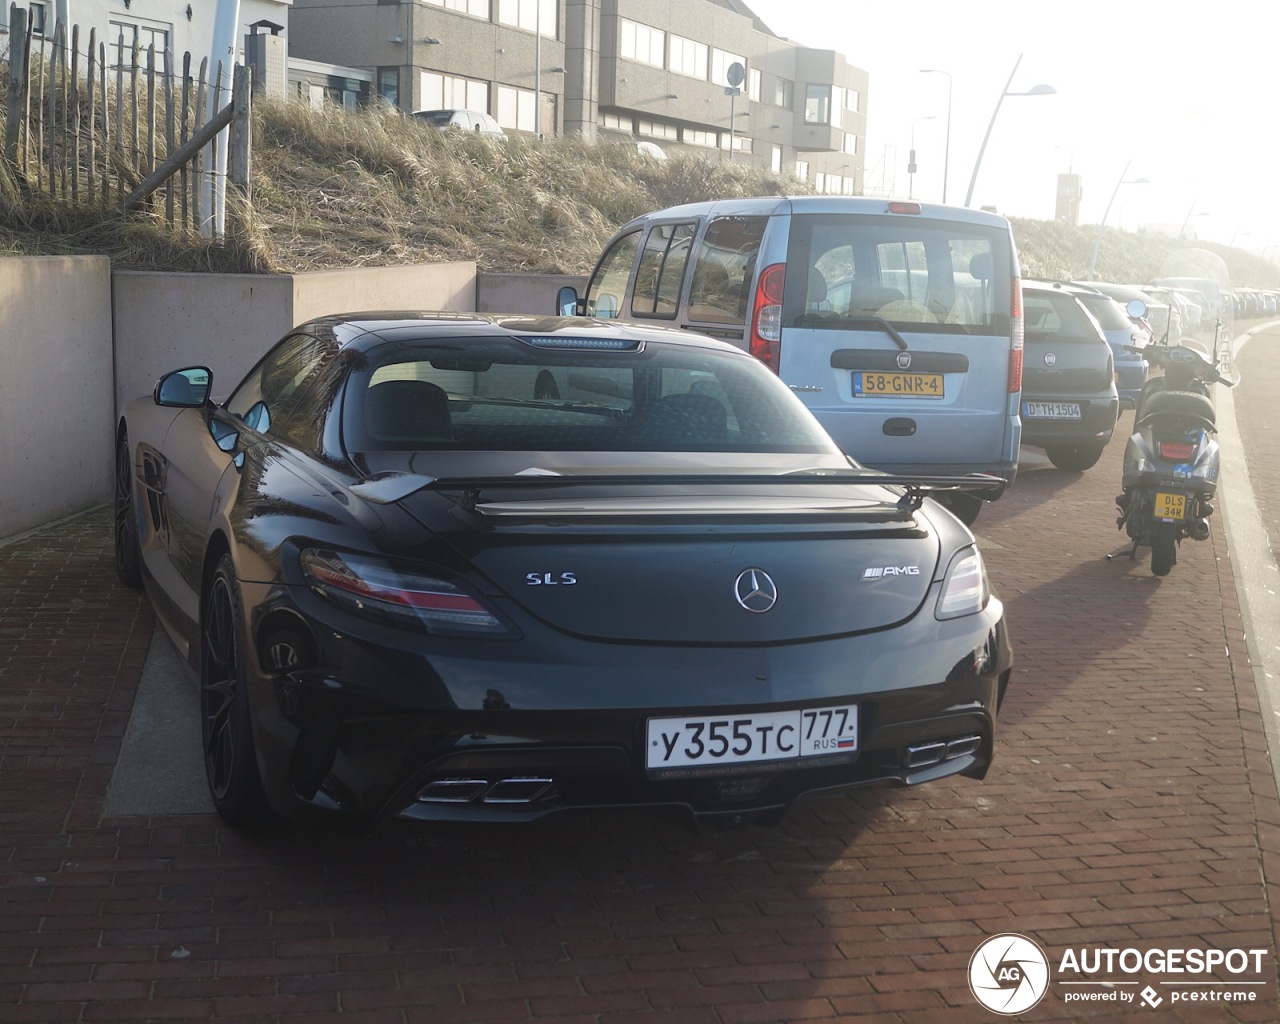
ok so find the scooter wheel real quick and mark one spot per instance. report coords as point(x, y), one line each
point(1164, 549)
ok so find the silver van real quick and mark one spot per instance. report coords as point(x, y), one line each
point(898, 323)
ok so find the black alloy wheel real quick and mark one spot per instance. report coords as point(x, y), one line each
point(964, 505)
point(1164, 549)
point(225, 723)
point(128, 554)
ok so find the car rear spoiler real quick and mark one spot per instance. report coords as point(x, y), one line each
point(387, 488)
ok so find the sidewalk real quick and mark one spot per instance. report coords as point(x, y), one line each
point(1131, 805)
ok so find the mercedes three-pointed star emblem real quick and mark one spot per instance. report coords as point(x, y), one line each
point(755, 590)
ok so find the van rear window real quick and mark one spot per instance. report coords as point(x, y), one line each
point(917, 274)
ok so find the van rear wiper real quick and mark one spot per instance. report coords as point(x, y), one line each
point(852, 322)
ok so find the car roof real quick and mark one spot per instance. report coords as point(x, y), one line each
point(1067, 286)
point(364, 330)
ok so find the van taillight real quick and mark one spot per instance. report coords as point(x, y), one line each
point(766, 324)
point(1016, 337)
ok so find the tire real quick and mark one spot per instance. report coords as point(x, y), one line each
point(1164, 549)
point(545, 387)
point(1075, 458)
point(963, 505)
point(226, 726)
point(128, 552)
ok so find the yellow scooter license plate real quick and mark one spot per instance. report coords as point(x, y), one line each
point(1170, 506)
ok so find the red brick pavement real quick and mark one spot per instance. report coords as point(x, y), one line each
point(1131, 805)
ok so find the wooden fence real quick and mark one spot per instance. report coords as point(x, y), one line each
point(113, 123)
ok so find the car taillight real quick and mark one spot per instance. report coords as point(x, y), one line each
point(370, 586)
point(1016, 336)
point(1175, 451)
point(766, 324)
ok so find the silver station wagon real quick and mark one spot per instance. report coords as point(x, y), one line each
point(898, 323)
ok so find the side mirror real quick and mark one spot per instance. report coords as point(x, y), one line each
point(567, 302)
point(184, 389)
point(1136, 309)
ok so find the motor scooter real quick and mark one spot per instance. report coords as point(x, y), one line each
point(1171, 460)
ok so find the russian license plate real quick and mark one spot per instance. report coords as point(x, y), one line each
point(1170, 506)
point(897, 385)
point(697, 741)
point(1051, 410)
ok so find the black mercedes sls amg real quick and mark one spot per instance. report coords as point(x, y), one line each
point(437, 566)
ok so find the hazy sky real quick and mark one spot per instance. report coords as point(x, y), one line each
point(1184, 93)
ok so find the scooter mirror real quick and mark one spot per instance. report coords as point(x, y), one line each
point(1136, 309)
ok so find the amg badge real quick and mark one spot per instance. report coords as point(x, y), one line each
point(877, 572)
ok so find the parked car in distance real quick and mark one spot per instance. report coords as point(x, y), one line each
point(1123, 334)
point(417, 589)
point(1069, 397)
point(462, 120)
point(896, 322)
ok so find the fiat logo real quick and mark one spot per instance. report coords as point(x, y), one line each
point(904, 360)
point(755, 590)
point(1050, 359)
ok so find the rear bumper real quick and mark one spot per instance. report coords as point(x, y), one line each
point(410, 727)
point(1095, 427)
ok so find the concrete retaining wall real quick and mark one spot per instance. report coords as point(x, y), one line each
point(523, 293)
point(227, 321)
point(55, 388)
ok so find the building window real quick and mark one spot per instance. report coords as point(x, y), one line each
point(802, 170)
point(775, 160)
point(817, 104)
point(851, 143)
point(753, 85)
point(820, 182)
point(616, 123)
point(851, 99)
point(123, 35)
point(541, 16)
point(837, 103)
point(784, 93)
point(449, 92)
point(658, 130)
point(687, 57)
point(389, 85)
point(515, 108)
point(642, 43)
point(37, 18)
point(475, 8)
point(698, 137)
point(741, 143)
point(720, 62)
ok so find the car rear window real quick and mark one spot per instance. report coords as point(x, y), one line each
point(1108, 312)
point(918, 274)
point(1056, 316)
point(508, 395)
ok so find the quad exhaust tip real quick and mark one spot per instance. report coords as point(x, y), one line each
point(519, 789)
point(925, 754)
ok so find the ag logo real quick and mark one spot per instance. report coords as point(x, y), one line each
point(1008, 974)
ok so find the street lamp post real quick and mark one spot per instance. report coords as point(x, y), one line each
point(1035, 90)
point(1185, 220)
point(911, 160)
point(946, 154)
point(1093, 262)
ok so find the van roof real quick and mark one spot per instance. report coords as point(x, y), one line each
point(768, 205)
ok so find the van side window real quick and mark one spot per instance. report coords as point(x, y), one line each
point(609, 283)
point(661, 270)
point(723, 270)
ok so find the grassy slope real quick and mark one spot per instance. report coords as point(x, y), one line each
point(338, 189)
